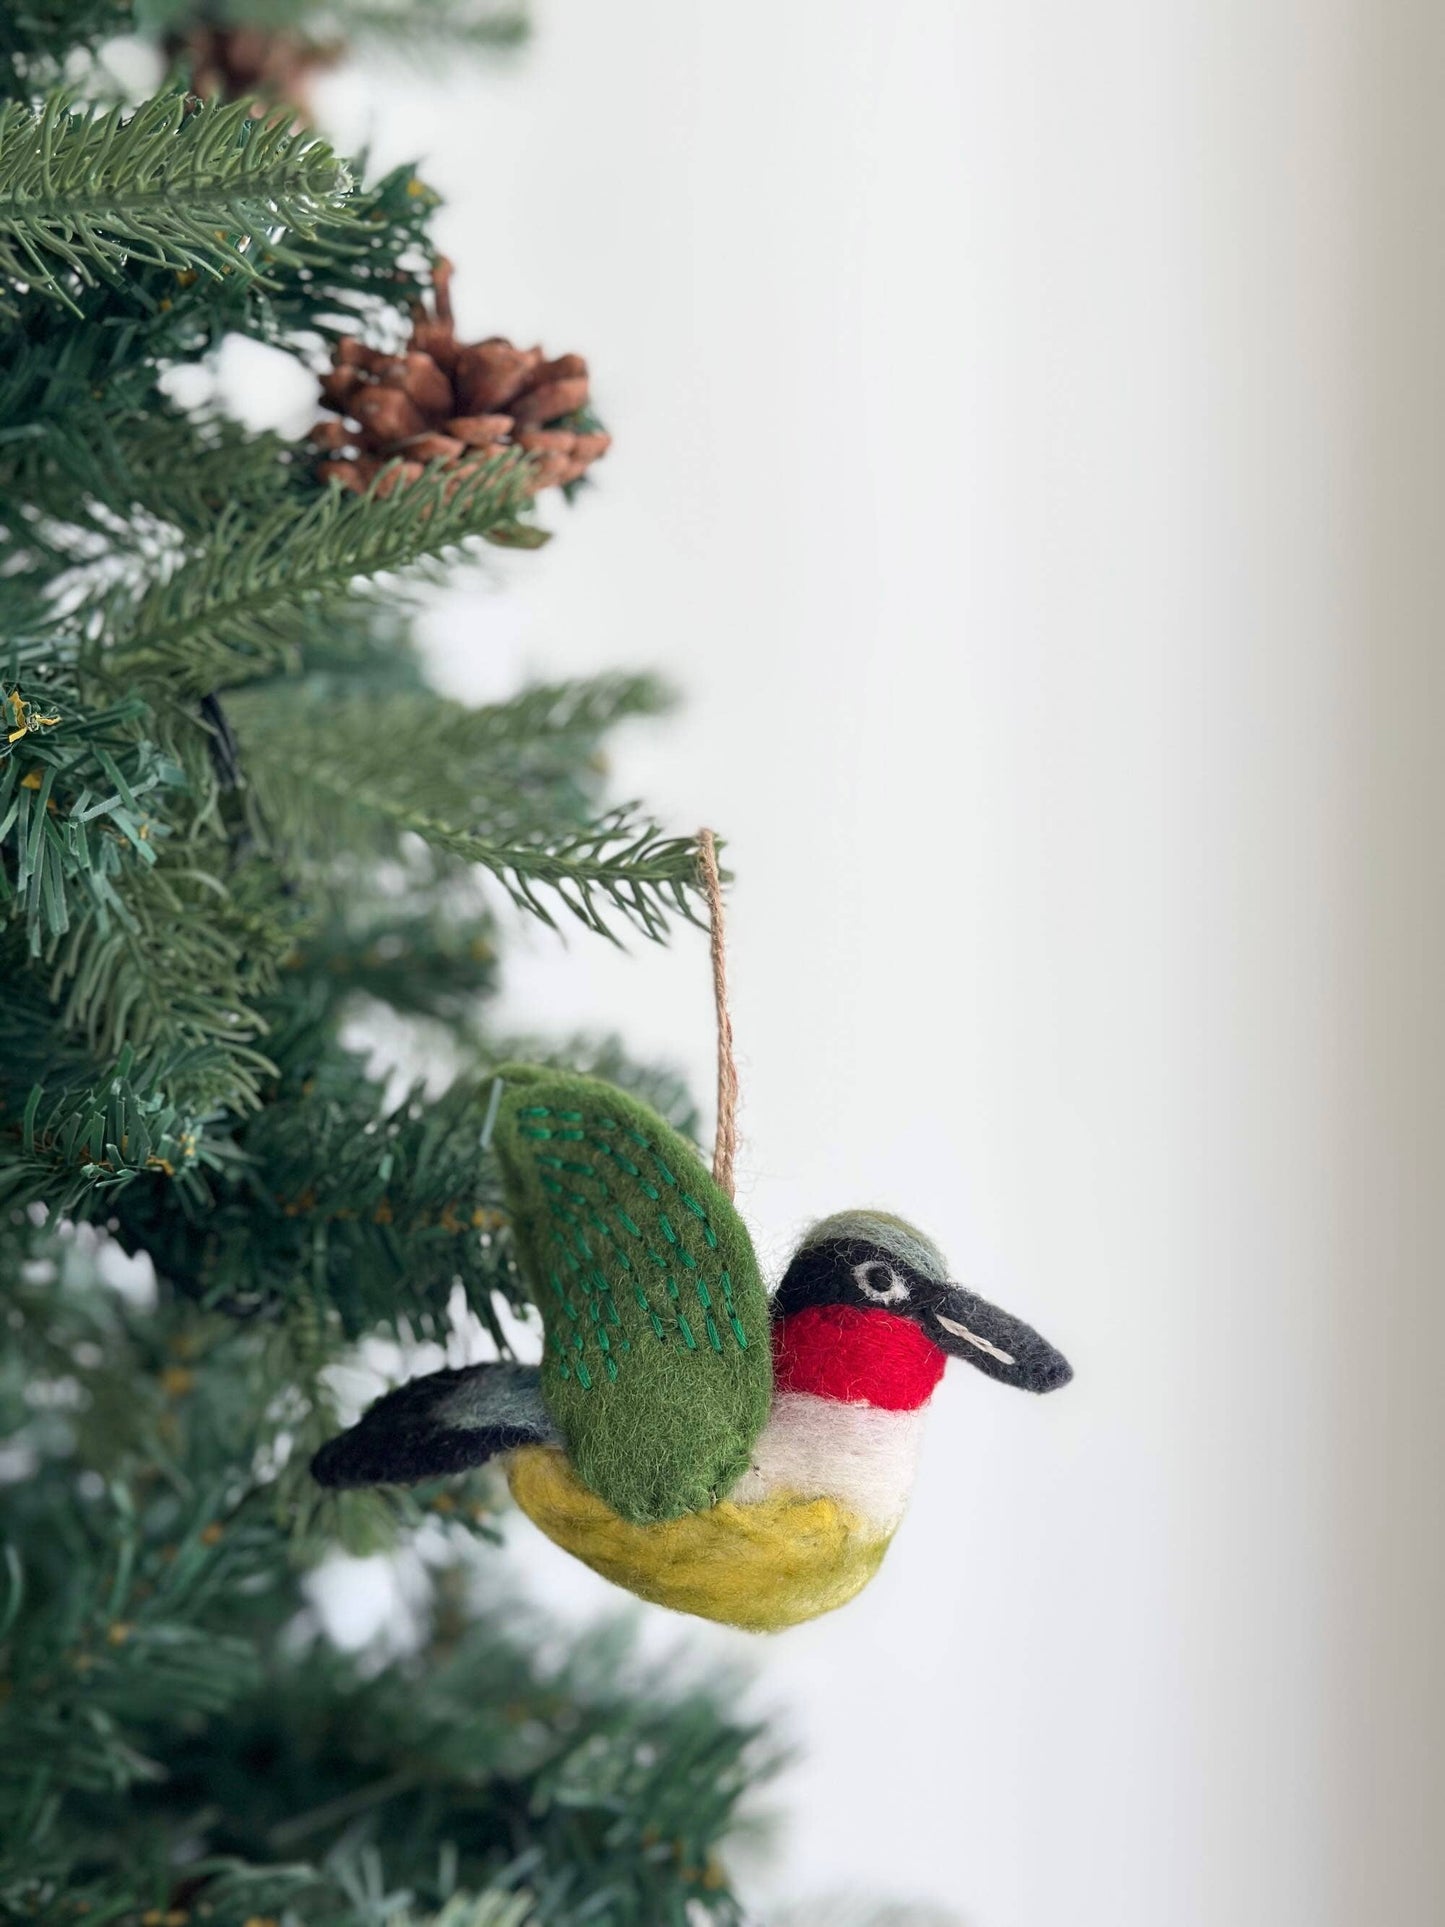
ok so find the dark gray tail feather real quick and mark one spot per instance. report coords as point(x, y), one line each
point(444, 1423)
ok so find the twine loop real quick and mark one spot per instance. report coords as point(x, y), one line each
point(726, 1142)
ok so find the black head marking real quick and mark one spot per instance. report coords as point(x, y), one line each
point(856, 1271)
point(847, 1271)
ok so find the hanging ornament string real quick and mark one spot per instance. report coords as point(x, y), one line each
point(726, 1142)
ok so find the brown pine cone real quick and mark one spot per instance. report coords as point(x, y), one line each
point(237, 63)
point(462, 403)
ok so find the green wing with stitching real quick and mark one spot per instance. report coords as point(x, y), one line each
point(658, 1366)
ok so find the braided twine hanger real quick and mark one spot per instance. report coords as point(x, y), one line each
point(726, 1142)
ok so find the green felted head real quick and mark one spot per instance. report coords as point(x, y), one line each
point(657, 1367)
point(893, 1235)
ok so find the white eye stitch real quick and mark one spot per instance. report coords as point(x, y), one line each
point(880, 1283)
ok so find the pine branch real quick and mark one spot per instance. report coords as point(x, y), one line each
point(407, 26)
point(366, 270)
point(147, 1678)
point(372, 1211)
point(431, 959)
point(334, 771)
point(621, 863)
point(435, 27)
point(364, 266)
point(228, 615)
point(78, 797)
point(76, 1146)
point(186, 469)
point(83, 196)
point(511, 787)
point(94, 467)
point(362, 644)
point(38, 37)
point(336, 1197)
point(68, 381)
point(547, 735)
point(174, 968)
point(177, 1741)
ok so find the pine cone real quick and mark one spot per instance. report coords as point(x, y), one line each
point(238, 63)
point(462, 403)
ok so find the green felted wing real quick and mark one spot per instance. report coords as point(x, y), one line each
point(657, 1367)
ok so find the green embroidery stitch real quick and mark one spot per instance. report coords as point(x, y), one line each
point(604, 1286)
point(725, 1283)
point(647, 1424)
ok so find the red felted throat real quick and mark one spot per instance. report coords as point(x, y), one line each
point(858, 1357)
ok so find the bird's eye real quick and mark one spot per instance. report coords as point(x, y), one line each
point(880, 1283)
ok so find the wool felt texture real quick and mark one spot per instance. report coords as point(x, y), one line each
point(857, 1356)
point(867, 1265)
point(758, 1567)
point(863, 1457)
point(442, 1423)
point(893, 1237)
point(657, 1366)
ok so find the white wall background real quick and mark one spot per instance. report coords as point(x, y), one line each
point(1028, 458)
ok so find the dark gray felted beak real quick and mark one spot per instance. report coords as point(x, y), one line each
point(1004, 1347)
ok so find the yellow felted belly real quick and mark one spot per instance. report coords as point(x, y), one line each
point(760, 1567)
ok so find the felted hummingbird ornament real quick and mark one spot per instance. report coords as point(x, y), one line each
point(741, 1459)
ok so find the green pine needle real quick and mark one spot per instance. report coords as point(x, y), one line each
point(118, 471)
point(622, 864)
point(84, 196)
point(78, 1146)
point(78, 803)
point(38, 38)
point(469, 785)
point(511, 787)
point(227, 615)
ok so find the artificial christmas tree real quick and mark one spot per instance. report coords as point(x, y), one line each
point(232, 812)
